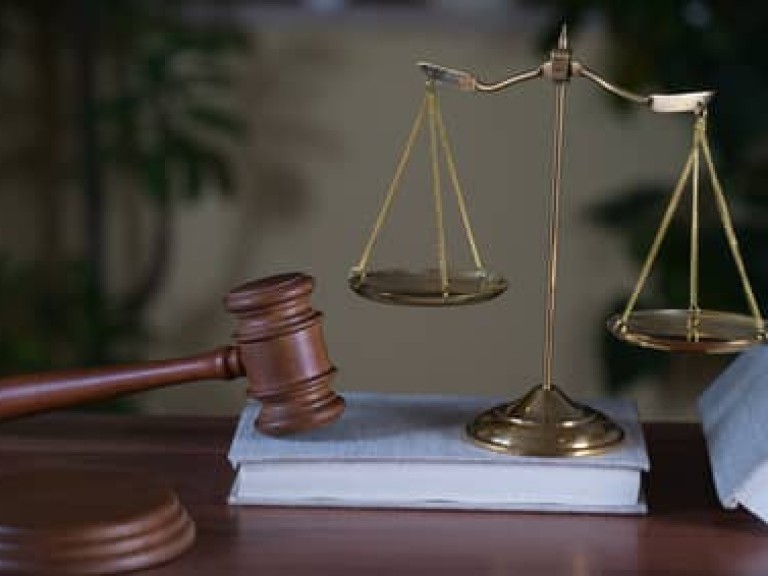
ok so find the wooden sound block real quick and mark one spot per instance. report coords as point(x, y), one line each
point(88, 521)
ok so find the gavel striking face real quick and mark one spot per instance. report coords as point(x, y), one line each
point(279, 347)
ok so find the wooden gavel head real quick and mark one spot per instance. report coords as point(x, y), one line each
point(281, 348)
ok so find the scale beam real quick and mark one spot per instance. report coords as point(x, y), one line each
point(561, 67)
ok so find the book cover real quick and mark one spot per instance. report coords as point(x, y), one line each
point(733, 415)
point(407, 450)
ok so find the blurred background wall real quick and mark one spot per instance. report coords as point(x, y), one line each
point(266, 145)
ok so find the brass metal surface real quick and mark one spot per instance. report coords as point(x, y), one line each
point(545, 422)
point(425, 288)
point(560, 66)
point(708, 331)
point(692, 329)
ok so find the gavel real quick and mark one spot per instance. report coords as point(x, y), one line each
point(278, 346)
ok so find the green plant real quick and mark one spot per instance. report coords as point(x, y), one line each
point(672, 46)
point(96, 100)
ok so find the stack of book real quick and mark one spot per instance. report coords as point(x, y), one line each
point(411, 451)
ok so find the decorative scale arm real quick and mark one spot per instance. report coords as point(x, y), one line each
point(560, 67)
point(694, 102)
point(468, 82)
point(578, 69)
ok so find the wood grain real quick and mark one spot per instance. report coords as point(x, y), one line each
point(685, 533)
point(279, 346)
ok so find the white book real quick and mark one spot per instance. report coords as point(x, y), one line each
point(410, 451)
point(734, 416)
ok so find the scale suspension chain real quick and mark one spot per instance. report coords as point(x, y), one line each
point(443, 286)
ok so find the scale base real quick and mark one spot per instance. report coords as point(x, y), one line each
point(545, 422)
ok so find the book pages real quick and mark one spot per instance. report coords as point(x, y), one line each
point(733, 413)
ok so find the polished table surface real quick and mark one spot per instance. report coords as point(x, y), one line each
point(686, 531)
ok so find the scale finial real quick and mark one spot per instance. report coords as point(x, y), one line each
point(562, 41)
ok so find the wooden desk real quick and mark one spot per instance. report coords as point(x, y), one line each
point(685, 533)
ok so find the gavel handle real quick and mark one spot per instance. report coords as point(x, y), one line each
point(28, 394)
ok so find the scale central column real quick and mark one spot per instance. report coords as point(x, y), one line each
point(560, 73)
point(545, 422)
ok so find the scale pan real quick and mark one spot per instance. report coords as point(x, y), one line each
point(707, 331)
point(424, 288)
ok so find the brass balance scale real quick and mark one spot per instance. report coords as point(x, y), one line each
point(545, 421)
